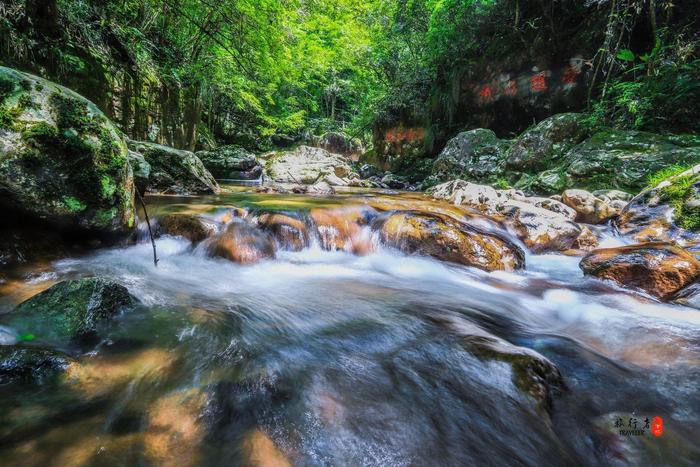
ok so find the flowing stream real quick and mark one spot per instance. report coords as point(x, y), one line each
point(331, 358)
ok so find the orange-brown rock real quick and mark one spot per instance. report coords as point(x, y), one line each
point(174, 430)
point(660, 269)
point(291, 233)
point(193, 228)
point(589, 209)
point(447, 239)
point(260, 451)
point(586, 241)
point(241, 243)
point(341, 228)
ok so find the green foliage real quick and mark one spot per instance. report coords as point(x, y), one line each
point(658, 91)
point(666, 172)
point(72, 113)
point(677, 195)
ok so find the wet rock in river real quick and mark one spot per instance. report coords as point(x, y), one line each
point(24, 362)
point(290, 232)
point(342, 228)
point(481, 197)
point(589, 208)
point(260, 451)
point(541, 230)
point(660, 269)
point(241, 243)
point(175, 429)
point(447, 239)
point(193, 228)
point(70, 309)
point(99, 376)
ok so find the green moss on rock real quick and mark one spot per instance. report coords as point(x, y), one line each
point(70, 309)
point(67, 150)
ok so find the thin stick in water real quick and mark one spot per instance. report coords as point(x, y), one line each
point(148, 223)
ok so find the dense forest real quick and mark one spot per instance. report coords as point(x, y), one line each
point(188, 73)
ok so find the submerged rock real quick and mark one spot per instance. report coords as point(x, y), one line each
point(660, 269)
point(174, 171)
point(70, 309)
point(231, 162)
point(547, 142)
point(21, 362)
point(306, 165)
point(260, 451)
point(193, 228)
point(241, 243)
point(61, 160)
point(625, 159)
point(532, 373)
point(447, 239)
point(472, 154)
point(589, 209)
point(175, 428)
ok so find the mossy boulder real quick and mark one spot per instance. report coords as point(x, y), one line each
point(70, 309)
point(667, 211)
point(141, 169)
point(231, 162)
point(174, 171)
point(474, 154)
point(547, 142)
point(625, 159)
point(62, 161)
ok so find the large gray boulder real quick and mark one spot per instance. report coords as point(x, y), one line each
point(231, 162)
point(306, 165)
point(625, 159)
point(61, 160)
point(474, 154)
point(547, 142)
point(174, 171)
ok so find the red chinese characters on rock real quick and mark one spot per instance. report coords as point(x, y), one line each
point(394, 135)
point(486, 93)
point(538, 82)
point(510, 89)
point(570, 76)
